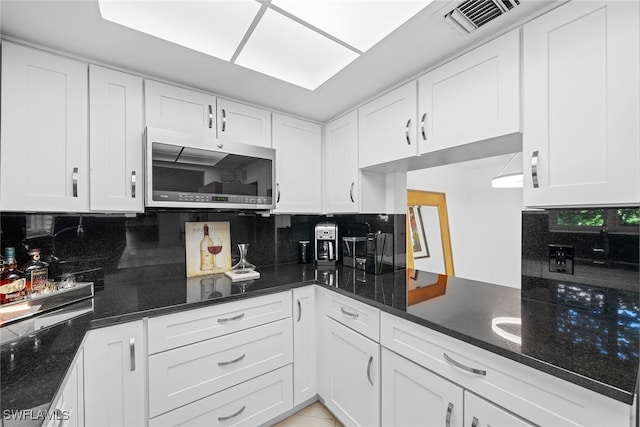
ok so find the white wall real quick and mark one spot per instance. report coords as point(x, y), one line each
point(485, 222)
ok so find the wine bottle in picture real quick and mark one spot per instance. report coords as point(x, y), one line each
point(207, 258)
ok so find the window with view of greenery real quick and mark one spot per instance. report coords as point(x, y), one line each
point(612, 218)
point(629, 216)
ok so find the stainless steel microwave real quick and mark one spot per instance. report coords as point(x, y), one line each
point(200, 172)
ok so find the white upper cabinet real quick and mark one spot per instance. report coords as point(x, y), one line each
point(174, 108)
point(581, 105)
point(473, 97)
point(115, 141)
point(298, 146)
point(341, 165)
point(243, 123)
point(387, 127)
point(43, 154)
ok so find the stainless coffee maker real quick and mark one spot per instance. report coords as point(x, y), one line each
point(326, 244)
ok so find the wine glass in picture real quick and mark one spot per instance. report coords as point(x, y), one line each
point(215, 247)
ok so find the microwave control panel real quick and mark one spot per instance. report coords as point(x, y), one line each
point(175, 196)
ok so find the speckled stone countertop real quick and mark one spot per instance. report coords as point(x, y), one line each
point(581, 333)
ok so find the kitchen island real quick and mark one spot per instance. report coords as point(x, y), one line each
point(585, 335)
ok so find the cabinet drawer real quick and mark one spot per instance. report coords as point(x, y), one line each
point(541, 398)
point(189, 373)
point(248, 404)
point(356, 315)
point(188, 327)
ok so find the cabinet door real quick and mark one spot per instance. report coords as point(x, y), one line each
point(414, 396)
point(115, 140)
point(43, 155)
point(480, 413)
point(581, 105)
point(387, 127)
point(243, 123)
point(68, 407)
point(353, 376)
point(473, 97)
point(174, 108)
point(114, 387)
point(305, 372)
point(341, 183)
point(298, 145)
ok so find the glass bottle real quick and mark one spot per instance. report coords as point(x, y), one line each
point(36, 272)
point(243, 265)
point(206, 251)
point(13, 284)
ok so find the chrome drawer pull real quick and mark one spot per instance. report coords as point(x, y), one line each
point(464, 367)
point(534, 169)
point(406, 132)
point(224, 120)
point(228, 417)
point(299, 311)
point(210, 117)
point(133, 184)
point(74, 179)
point(449, 412)
point(474, 422)
point(132, 353)
point(369, 369)
point(231, 362)
point(229, 319)
point(424, 134)
point(349, 314)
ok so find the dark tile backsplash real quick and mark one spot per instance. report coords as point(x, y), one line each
point(102, 247)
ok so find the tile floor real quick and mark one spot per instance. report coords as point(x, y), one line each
point(314, 415)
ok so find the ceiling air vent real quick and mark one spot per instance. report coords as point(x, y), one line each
point(473, 14)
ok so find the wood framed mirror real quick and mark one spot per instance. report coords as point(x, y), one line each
point(428, 237)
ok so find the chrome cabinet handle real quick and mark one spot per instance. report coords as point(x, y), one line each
point(210, 117)
point(133, 184)
point(459, 365)
point(369, 369)
point(424, 134)
point(474, 422)
point(299, 311)
point(224, 120)
point(278, 191)
point(351, 192)
point(74, 180)
point(534, 169)
point(406, 132)
point(228, 417)
point(349, 314)
point(449, 412)
point(229, 319)
point(231, 362)
point(132, 353)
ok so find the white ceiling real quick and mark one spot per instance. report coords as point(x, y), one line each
point(76, 27)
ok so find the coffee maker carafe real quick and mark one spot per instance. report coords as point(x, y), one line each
point(326, 248)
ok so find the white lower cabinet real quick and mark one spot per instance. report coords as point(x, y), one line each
point(415, 396)
point(114, 376)
point(353, 376)
point(251, 403)
point(68, 407)
point(480, 413)
point(305, 372)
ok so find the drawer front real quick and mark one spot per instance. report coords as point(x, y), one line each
point(535, 395)
point(355, 315)
point(188, 327)
point(185, 374)
point(248, 404)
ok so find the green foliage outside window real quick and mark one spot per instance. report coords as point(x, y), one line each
point(629, 216)
point(582, 218)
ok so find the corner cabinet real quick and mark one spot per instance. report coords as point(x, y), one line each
point(581, 105)
point(243, 123)
point(388, 127)
point(340, 161)
point(174, 108)
point(305, 371)
point(298, 146)
point(43, 154)
point(114, 376)
point(115, 141)
point(474, 97)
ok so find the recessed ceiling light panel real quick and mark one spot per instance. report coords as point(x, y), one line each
point(285, 49)
point(211, 27)
point(359, 23)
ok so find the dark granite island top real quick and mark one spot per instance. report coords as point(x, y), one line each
point(581, 333)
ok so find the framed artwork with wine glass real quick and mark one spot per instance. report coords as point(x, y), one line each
point(208, 247)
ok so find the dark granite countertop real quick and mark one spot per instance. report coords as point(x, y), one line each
point(581, 333)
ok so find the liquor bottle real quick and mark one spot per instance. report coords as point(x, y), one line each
point(36, 272)
point(13, 284)
point(206, 255)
